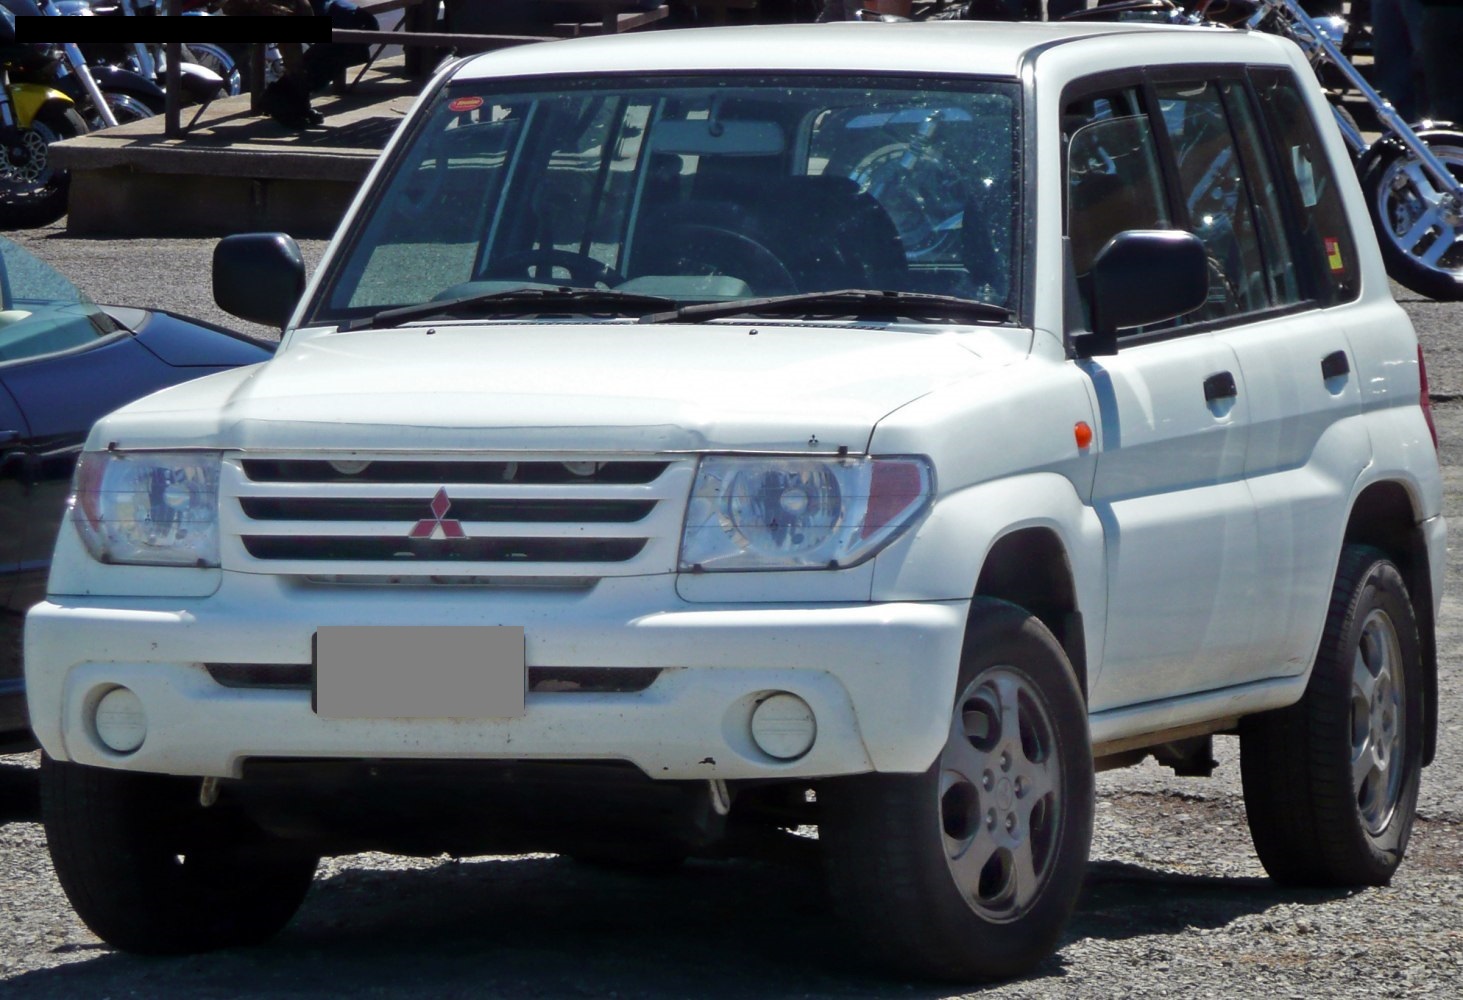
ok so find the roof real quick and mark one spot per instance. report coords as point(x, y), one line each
point(983, 48)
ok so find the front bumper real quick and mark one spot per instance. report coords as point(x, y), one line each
point(879, 678)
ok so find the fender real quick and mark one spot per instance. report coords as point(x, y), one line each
point(199, 83)
point(1391, 144)
point(121, 80)
point(29, 98)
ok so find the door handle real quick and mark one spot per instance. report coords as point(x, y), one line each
point(1335, 365)
point(1220, 386)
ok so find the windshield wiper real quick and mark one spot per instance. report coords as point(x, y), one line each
point(844, 302)
point(517, 302)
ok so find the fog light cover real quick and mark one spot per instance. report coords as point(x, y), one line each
point(121, 721)
point(783, 726)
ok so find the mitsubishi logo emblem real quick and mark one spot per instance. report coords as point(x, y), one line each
point(427, 526)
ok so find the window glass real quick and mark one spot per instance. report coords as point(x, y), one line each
point(1280, 277)
point(40, 311)
point(1216, 197)
point(1113, 179)
point(695, 188)
point(1328, 250)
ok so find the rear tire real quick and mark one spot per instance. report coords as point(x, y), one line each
point(1331, 782)
point(151, 871)
point(971, 869)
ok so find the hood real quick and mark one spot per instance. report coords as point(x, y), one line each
point(559, 387)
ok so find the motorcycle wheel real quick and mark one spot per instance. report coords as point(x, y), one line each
point(1420, 231)
point(125, 108)
point(32, 191)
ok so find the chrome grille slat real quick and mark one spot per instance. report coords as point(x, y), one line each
point(384, 518)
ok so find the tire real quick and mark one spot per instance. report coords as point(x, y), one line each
point(125, 108)
point(123, 846)
point(33, 193)
point(1420, 236)
point(1331, 782)
point(896, 845)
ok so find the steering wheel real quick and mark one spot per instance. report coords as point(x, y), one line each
point(701, 248)
point(583, 269)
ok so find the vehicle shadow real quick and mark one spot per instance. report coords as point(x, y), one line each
point(20, 794)
point(547, 926)
point(1121, 900)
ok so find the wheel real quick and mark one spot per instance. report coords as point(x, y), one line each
point(125, 108)
point(1420, 228)
point(1331, 782)
point(971, 869)
point(149, 870)
point(32, 191)
point(582, 269)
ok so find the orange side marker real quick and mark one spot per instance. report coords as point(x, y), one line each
point(1083, 433)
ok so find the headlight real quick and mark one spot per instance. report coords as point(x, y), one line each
point(777, 513)
point(148, 508)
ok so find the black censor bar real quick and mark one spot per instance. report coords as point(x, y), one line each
point(163, 28)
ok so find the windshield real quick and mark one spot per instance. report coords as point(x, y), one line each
point(40, 311)
point(691, 190)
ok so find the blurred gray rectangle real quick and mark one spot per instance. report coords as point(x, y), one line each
point(419, 672)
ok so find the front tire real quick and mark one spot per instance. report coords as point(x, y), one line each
point(1419, 231)
point(151, 871)
point(971, 869)
point(32, 191)
point(1331, 782)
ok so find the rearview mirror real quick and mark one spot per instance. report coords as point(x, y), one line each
point(259, 277)
point(1140, 277)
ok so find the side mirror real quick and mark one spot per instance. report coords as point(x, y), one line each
point(1143, 276)
point(259, 277)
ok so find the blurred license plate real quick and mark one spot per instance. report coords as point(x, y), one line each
point(419, 672)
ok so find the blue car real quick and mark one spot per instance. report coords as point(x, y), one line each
point(64, 362)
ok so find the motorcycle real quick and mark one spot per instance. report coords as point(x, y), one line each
point(1412, 175)
point(207, 71)
point(33, 115)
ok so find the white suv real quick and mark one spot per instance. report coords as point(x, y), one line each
point(706, 435)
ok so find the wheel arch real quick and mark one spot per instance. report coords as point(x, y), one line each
point(1385, 516)
point(1030, 567)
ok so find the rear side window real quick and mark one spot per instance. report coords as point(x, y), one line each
point(1327, 248)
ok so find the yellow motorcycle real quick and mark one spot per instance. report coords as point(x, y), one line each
point(33, 115)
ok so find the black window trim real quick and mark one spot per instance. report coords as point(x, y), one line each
point(1144, 79)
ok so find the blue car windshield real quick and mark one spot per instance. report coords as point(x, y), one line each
point(693, 189)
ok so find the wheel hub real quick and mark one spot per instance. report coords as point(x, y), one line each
point(1000, 794)
point(1377, 722)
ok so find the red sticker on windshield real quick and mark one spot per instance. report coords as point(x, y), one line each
point(1333, 254)
point(465, 104)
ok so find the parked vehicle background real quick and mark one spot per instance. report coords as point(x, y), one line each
point(64, 362)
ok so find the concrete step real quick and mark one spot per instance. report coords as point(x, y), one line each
point(233, 170)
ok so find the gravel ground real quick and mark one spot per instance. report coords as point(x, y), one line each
point(1175, 902)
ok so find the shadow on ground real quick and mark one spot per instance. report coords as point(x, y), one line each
point(546, 926)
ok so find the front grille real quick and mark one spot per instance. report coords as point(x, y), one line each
point(363, 516)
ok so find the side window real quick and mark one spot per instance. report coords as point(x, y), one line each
point(1328, 250)
point(1113, 179)
point(1281, 276)
point(1216, 196)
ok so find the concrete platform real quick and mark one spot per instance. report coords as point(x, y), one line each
point(234, 171)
